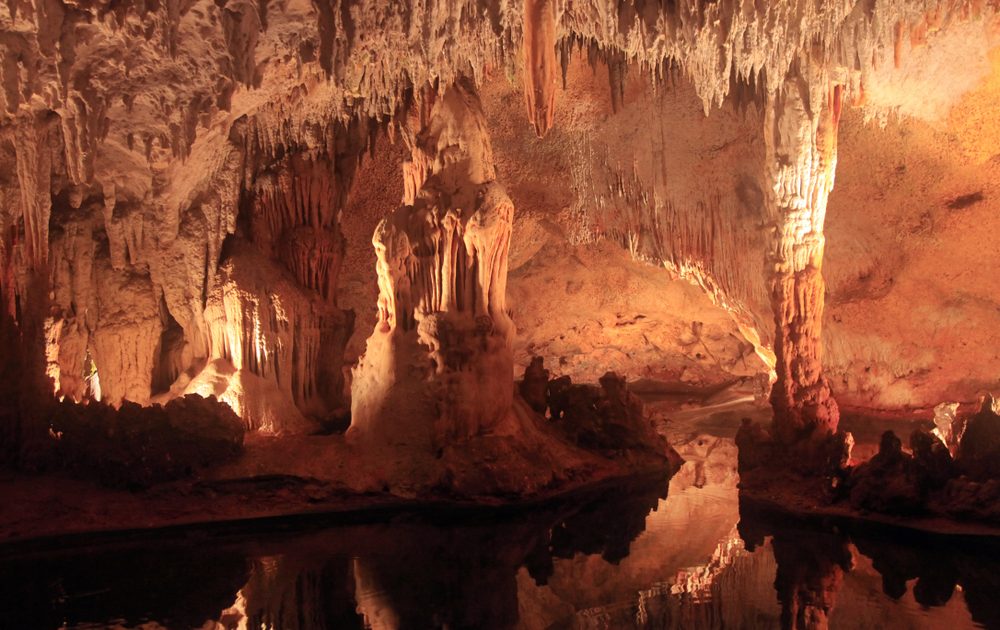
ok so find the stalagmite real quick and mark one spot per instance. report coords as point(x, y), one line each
point(438, 366)
point(800, 135)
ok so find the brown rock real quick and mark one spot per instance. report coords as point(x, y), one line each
point(534, 385)
point(979, 450)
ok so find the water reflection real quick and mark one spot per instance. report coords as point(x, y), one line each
point(933, 571)
point(626, 556)
point(418, 571)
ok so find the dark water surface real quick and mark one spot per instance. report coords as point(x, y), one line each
point(632, 555)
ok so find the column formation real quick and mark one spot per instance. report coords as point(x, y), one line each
point(801, 147)
point(439, 367)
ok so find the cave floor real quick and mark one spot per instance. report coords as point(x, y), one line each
point(321, 474)
point(293, 475)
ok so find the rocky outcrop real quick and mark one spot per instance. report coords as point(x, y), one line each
point(928, 479)
point(135, 447)
point(923, 481)
point(979, 447)
point(606, 417)
point(534, 387)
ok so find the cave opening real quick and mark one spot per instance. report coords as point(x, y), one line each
point(499, 314)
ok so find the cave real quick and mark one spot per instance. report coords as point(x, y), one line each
point(499, 314)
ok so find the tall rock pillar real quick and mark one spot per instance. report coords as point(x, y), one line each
point(801, 147)
point(439, 367)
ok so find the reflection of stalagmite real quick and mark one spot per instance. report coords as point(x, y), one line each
point(438, 365)
point(811, 563)
point(296, 591)
point(540, 63)
point(801, 143)
point(809, 575)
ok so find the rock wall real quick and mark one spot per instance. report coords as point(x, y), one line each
point(911, 314)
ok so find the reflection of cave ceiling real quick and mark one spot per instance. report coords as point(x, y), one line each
point(137, 137)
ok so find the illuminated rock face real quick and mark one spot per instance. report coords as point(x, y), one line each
point(439, 366)
point(234, 296)
point(283, 341)
point(800, 134)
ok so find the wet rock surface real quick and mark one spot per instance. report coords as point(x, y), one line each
point(605, 417)
point(135, 447)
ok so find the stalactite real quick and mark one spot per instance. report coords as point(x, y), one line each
point(442, 345)
point(540, 65)
point(242, 25)
point(34, 170)
point(617, 68)
point(295, 218)
point(711, 41)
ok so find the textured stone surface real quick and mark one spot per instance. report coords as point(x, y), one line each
point(438, 366)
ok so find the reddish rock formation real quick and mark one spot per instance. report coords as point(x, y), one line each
point(539, 33)
point(801, 137)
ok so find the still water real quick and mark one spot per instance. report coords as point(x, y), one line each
point(650, 553)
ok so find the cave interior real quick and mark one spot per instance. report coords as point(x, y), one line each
point(266, 259)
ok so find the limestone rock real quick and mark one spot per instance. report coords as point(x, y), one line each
point(438, 366)
point(979, 450)
point(134, 447)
